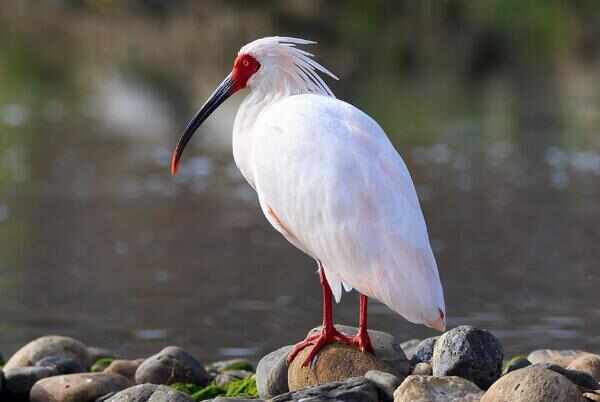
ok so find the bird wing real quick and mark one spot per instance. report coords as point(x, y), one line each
point(330, 181)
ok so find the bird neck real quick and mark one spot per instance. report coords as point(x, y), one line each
point(248, 113)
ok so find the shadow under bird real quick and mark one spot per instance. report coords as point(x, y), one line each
point(330, 181)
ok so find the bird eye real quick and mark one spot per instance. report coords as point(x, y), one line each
point(245, 63)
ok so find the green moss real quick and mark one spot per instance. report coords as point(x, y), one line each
point(101, 364)
point(238, 365)
point(240, 388)
point(515, 363)
point(245, 387)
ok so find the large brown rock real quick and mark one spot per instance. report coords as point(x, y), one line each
point(588, 363)
point(385, 346)
point(420, 388)
point(533, 384)
point(50, 346)
point(335, 362)
point(84, 387)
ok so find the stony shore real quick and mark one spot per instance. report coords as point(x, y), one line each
point(465, 364)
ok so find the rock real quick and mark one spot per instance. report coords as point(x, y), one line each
point(470, 353)
point(126, 368)
point(592, 396)
point(423, 369)
point(424, 351)
point(409, 347)
point(149, 393)
point(385, 346)
point(578, 378)
point(515, 363)
point(351, 390)
point(272, 373)
point(46, 346)
point(533, 384)
point(419, 388)
point(231, 375)
point(229, 399)
point(386, 384)
point(62, 365)
point(588, 363)
point(20, 380)
point(561, 357)
point(335, 362)
point(100, 353)
point(81, 387)
point(169, 366)
point(231, 364)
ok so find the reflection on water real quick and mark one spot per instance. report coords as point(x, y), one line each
point(101, 243)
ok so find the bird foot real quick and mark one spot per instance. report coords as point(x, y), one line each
point(329, 335)
point(363, 342)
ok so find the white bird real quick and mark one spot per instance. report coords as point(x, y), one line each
point(330, 181)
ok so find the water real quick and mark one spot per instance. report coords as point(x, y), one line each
point(101, 243)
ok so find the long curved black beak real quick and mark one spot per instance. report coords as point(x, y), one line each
point(223, 91)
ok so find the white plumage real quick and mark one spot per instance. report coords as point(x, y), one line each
point(329, 180)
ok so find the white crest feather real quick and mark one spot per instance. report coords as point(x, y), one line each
point(298, 66)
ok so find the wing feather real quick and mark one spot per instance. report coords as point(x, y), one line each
point(339, 185)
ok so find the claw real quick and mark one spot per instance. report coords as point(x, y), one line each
point(326, 336)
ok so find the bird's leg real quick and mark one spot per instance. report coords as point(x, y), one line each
point(361, 339)
point(327, 334)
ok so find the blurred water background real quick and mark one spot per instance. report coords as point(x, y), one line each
point(494, 106)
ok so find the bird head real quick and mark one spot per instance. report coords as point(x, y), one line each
point(272, 64)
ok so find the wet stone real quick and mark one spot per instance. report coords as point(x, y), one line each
point(386, 384)
point(385, 347)
point(20, 380)
point(272, 373)
point(62, 365)
point(471, 353)
point(578, 378)
point(422, 369)
point(588, 363)
point(533, 384)
point(561, 357)
point(352, 390)
point(334, 362)
point(409, 347)
point(46, 346)
point(149, 393)
point(424, 351)
point(170, 366)
point(81, 387)
point(417, 388)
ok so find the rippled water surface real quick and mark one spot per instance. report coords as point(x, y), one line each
point(99, 242)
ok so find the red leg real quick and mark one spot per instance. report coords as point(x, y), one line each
point(327, 334)
point(361, 339)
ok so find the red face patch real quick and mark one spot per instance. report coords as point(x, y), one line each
point(243, 68)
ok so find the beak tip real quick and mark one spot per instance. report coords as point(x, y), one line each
point(174, 164)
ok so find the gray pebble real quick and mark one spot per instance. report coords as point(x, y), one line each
point(386, 383)
point(424, 351)
point(231, 375)
point(409, 347)
point(169, 366)
point(149, 393)
point(357, 389)
point(272, 373)
point(20, 380)
point(471, 353)
point(62, 365)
